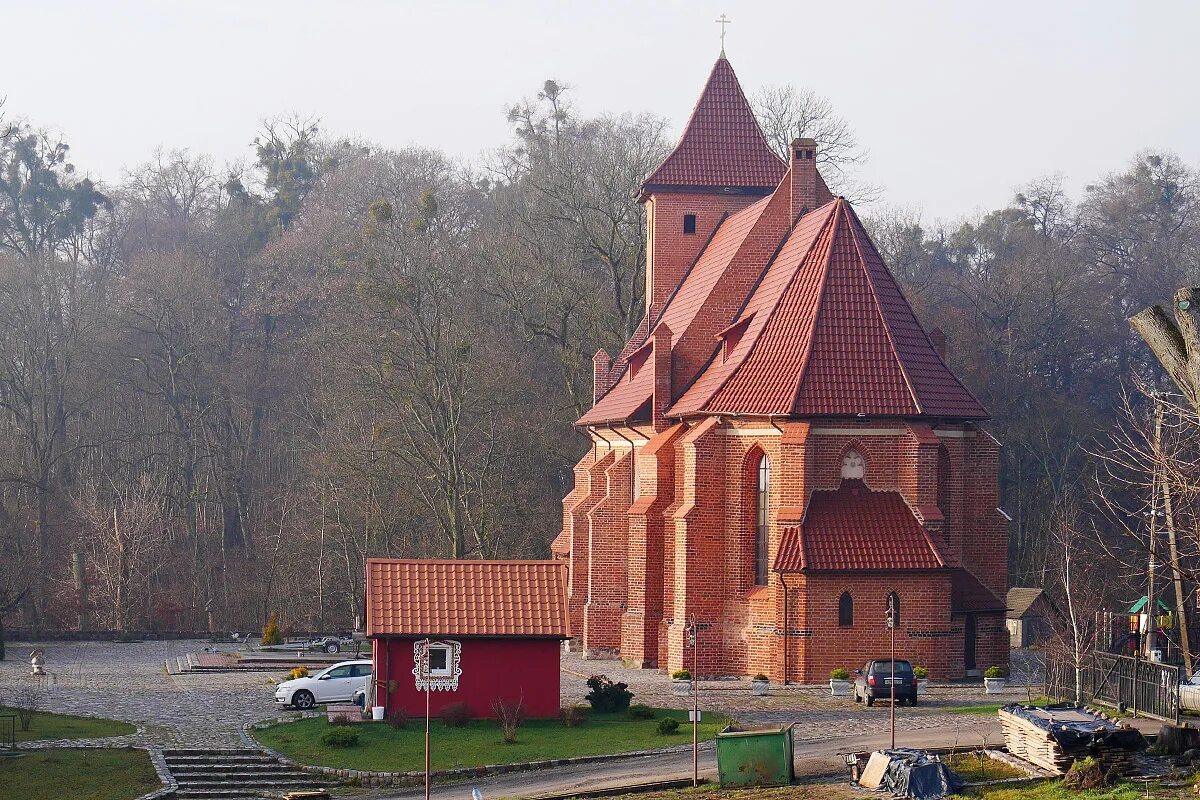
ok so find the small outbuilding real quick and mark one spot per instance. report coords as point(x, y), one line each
point(1029, 616)
point(493, 631)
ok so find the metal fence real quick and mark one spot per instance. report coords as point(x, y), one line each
point(8, 731)
point(1127, 683)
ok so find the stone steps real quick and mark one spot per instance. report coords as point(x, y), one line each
point(234, 774)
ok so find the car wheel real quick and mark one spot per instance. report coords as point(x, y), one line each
point(332, 647)
point(870, 700)
point(857, 699)
point(912, 701)
point(303, 700)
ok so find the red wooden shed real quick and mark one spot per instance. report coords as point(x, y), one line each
point(494, 631)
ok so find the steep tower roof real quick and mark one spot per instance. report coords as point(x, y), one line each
point(828, 332)
point(722, 146)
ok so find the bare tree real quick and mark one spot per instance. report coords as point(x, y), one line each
point(1078, 581)
point(123, 531)
point(785, 113)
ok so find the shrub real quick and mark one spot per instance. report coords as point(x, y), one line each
point(760, 677)
point(28, 700)
point(641, 711)
point(340, 722)
point(511, 714)
point(457, 715)
point(840, 674)
point(342, 736)
point(606, 696)
point(573, 716)
point(297, 672)
point(668, 725)
point(993, 672)
point(398, 719)
point(270, 631)
point(681, 675)
point(1088, 773)
point(920, 673)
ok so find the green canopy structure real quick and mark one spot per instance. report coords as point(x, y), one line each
point(1140, 605)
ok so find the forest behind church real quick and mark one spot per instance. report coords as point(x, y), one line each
point(223, 386)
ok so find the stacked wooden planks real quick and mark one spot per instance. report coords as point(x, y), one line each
point(1053, 738)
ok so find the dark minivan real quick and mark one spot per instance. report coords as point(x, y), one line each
point(874, 682)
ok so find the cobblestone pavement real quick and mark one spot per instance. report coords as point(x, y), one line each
point(128, 682)
point(815, 712)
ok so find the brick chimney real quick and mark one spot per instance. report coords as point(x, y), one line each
point(662, 375)
point(601, 373)
point(804, 175)
point(938, 337)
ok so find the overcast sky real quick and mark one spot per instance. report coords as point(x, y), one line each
point(958, 102)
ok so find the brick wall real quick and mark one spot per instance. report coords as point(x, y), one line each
point(670, 251)
point(608, 551)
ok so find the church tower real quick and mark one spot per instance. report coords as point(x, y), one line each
point(780, 450)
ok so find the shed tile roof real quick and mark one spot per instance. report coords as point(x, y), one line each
point(967, 593)
point(722, 145)
point(466, 598)
point(1021, 599)
point(854, 528)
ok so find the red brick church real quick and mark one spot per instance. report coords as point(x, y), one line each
point(780, 447)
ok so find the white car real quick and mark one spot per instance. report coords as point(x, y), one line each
point(336, 684)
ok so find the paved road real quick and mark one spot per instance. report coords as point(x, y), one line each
point(815, 755)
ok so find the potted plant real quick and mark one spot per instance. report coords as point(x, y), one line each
point(993, 680)
point(922, 676)
point(839, 682)
point(759, 685)
point(681, 683)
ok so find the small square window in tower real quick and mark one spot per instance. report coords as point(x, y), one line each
point(689, 223)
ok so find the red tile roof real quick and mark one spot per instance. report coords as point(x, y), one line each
point(467, 598)
point(854, 528)
point(722, 145)
point(626, 396)
point(796, 254)
point(831, 334)
point(968, 594)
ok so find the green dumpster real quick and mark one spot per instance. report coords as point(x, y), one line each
point(755, 756)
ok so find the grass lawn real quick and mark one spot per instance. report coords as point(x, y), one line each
point(84, 774)
point(989, 709)
point(382, 748)
point(64, 726)
point(1049, 790)
point(1054, 790)
point(970, 767)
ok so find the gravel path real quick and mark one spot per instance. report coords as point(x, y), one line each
point(128, 682)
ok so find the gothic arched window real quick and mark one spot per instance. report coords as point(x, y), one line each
point(845, 610)
point(894, 605)
point(853, 466)
point(762, 507)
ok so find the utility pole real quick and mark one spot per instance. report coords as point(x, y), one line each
point(1163, 484)
point(425, 675)
point(1151, 594)
point(891, 624)
point(693, 639)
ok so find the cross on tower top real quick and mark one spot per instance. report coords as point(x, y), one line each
point(723, 21)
